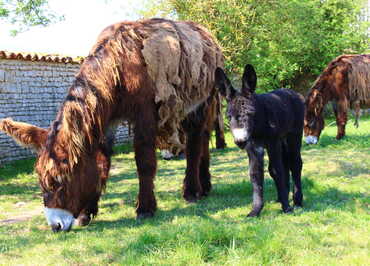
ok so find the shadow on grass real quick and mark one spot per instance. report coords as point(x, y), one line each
point(25, 190)
point(13, 169)
point(125, 175)
point(223, 196)
point(12, 173)
point(349, 170)
point(230, 196)
point(318, 198)
point(236, 195)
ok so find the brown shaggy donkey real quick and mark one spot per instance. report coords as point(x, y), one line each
point(157, 74)
point(346, 82)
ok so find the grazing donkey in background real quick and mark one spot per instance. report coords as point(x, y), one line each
point(159, 75)
point(346, 82)
point(273, 121)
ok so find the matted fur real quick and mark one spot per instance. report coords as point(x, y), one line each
point(359, 78)
point(214, 122)
point(178, 56)
point(346, 81)
point(179, 81)
point(356, 68)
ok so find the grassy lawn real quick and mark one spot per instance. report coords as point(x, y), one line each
point(333, 228)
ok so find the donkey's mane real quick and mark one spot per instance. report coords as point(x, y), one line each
point(84, 113)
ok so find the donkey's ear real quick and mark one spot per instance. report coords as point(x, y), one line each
point(223, 84)
point(249, 80)
point(25, 134)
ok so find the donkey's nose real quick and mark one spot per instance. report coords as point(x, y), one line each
point(56, 227)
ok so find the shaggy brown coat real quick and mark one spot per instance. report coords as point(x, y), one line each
point(214, 122)
point(157, 74)
point(346, 82)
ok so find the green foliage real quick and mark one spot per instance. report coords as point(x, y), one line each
point(27, 13)
point(332, 228)
point(288, 41)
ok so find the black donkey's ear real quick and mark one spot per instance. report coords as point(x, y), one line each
point(249, 80)
point(223, 84)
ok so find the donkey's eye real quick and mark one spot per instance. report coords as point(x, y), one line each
point(47, 196)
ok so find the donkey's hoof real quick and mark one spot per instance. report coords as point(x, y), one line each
point(253, 214)
point(206, 191)
point(298, 201)
point(144, 215)
point(192, 197)
point(288, 210)
point(205, 194)
point(298, 204)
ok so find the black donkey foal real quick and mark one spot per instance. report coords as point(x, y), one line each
point(273, 121)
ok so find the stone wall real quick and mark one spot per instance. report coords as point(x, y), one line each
point(32, 91)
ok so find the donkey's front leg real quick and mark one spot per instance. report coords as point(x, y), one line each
point(255, 155)
point(341, 117)
point(146, 162)
point(194, 127)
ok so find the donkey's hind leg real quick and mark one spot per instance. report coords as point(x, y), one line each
point(295, 166)
point(204, 175)
point(277, 170)
point(357, 110)
point(194, 126)
point(285, 160)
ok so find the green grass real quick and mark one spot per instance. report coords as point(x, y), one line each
point(333, 228)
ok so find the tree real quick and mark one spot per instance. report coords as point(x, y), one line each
point(27, 13)
point(288, 41)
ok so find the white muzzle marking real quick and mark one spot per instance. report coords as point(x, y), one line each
point(240, 134)
point(58, 216)
point(311, 140)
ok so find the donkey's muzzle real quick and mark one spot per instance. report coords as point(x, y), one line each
point(58, 219)
point(59, 227)
point(56, 227)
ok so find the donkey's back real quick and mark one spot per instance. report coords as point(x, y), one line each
point(283, 111)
